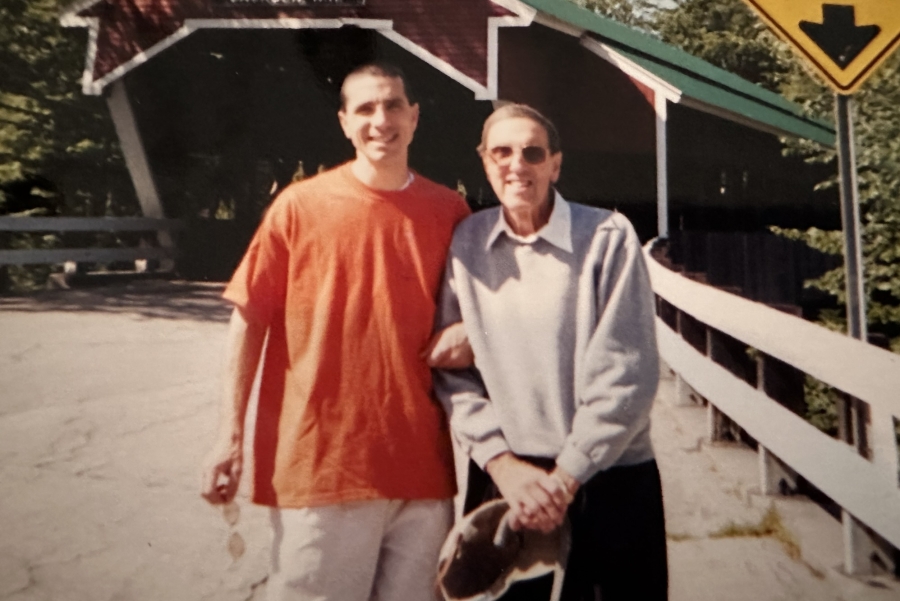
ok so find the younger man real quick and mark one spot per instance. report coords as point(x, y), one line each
point(350, 450)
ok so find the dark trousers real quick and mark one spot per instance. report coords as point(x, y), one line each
point(618, 537)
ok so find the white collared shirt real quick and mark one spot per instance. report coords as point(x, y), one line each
point(557, 231)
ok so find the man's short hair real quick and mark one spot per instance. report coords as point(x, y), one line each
point(521, 111)
point(378, 69)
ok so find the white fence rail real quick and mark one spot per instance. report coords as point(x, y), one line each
point(86, 224)
point(865, 487)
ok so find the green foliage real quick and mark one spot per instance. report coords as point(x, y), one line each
point(878, 161)
point(877, 144)
point(728, 35)
point(58, 149)
point(634, 13)
point(770, 525)
point(29, 277)
point(52, 135)
point(822, 402)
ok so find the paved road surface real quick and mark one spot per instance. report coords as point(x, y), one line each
point(108, 402)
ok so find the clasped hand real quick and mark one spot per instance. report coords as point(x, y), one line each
point(537, 499)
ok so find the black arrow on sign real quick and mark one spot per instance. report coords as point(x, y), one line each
point(838, 35)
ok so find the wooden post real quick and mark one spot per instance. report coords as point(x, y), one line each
point(730, 354)
point(715, 425)
point(859, 421)
point(71, 272)
point(688, 328)
point(864, 551)
point(720, 427)
point(668, 314)
point(693, 331)
point(782, 382)
point(662, 167)
point(775, 477)
point(853, 418)
point(136, 161)
point(683, 392)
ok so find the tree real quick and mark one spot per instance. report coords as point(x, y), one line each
point(58, 149)
point(877, 143)
point(728, 35)
point(634, 13)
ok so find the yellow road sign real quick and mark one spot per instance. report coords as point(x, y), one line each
point(844, 41)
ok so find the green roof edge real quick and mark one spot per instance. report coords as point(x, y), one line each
point(662, 60)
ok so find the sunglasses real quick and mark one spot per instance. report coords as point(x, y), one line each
point(236, 545)
point(503, 155)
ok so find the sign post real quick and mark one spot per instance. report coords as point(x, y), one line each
point(844, 43)
point(856, 298)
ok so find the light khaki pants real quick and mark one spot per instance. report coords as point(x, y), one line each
point(379, 550)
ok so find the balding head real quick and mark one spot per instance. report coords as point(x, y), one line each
point(521, 111)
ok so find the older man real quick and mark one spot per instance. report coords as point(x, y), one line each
point(350, 450)
point(556, 302)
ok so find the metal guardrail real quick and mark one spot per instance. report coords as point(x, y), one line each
point(711, 326)
point(86, 224)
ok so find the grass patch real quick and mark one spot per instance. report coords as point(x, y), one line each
point(770, 525)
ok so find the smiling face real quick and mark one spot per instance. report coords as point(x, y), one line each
point(520, 175)
point(378, 118)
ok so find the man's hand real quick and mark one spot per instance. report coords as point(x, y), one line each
point(222, 473)
point(449, 349)
point(565, 485)
point(222, 468)
point(538, 500)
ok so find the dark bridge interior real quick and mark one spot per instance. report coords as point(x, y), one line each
point(227, 116)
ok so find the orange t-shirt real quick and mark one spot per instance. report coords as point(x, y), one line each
point(346, 277)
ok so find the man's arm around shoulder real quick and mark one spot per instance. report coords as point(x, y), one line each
point(222, 468)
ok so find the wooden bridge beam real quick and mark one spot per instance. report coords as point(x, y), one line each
point(138, 163)
point(662, 166)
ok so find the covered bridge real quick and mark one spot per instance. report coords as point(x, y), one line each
point(218, 102)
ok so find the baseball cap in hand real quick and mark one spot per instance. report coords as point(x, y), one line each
point(482, 556)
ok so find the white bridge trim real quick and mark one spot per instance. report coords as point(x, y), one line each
point(488, 91)
point(855, 367)
point(865, 488)
point(856, 484)
point(88, 224)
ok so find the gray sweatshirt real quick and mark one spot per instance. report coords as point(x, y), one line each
point(562, 326)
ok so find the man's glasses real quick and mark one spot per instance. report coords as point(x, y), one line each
point(503, 155)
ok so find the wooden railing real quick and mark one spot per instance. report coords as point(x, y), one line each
point(162, 228)
point(747, 362)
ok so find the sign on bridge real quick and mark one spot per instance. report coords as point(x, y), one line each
point(845, 42)
point(297, 2)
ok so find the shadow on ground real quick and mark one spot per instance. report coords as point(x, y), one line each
point(151, 299)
